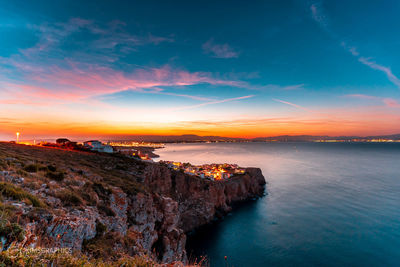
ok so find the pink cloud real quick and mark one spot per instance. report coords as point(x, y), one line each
point(84, 81)
point(96, 80)
point(219, 50)
point(388, 102)
point(361, 96)
point(392, 103)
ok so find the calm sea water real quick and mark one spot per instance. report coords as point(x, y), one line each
point(328, 204)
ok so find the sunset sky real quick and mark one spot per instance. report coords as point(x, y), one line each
point(230, 68)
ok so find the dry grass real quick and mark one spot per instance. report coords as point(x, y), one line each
point(18, 257)
point(58, 164)
point(17, 193)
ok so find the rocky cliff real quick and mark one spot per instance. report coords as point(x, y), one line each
point(199, 200)
point(109, 205)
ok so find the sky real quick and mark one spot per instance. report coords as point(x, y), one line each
point(228, 68)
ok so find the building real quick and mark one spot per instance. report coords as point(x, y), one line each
point(96, 145)
point(62, 141)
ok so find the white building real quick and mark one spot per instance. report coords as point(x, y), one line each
point(96, 145)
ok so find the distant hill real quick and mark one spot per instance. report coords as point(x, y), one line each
point(192, 138)
point(177, 138)
point(312, 138)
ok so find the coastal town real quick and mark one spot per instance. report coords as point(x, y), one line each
point(137, 150)
point(143, 151)
point(207, 171)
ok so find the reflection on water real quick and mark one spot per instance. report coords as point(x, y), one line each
point(328, 204)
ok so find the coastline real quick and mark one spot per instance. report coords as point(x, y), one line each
point(85, 192)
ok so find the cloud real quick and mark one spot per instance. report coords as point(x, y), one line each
point(219, 50)
point(388, 102)
point(49, 74)
point(319, 16)
point(361, 96)
point(353, 50)
point(111, 40)
point(214, 102)
point(81, 81)
point(194, 97)
point(393, 78)
point(293, 105)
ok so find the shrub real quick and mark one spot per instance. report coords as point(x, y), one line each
point(11, 232)
point(31, 168)
point(52, 168)
point(100, 229)
point(57, 176)
point(69, 198)
point(103, 209)
point(101, 190)
point(6, 211)
point(17, 193)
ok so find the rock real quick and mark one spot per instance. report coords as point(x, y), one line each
point(69, 231)
point(154, 220)
point(199, 200)
point(119, 205)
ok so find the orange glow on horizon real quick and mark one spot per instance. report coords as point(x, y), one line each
point(359, 122)
point(235, 131)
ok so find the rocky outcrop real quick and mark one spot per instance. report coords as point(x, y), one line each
point(200, 200)
point(153, 220)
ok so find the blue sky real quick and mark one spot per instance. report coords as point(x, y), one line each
point(314, 66)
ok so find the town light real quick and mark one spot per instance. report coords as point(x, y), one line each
point(17, 133)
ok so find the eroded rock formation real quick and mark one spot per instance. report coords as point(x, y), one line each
point(151, 220)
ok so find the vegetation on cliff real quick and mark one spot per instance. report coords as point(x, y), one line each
point(108, 209)
point(19, 257)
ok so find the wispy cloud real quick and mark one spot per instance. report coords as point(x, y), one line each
point(388, 102)
point(361, 96)
point(213, 102)
point(110, 40)
point(293, 105)
point(81, 81)
point(318, 14)
point(393, 78)
point(219, 50)
point(47, 74)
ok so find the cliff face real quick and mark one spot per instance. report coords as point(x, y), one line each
point(200, 200)
point(128, 207)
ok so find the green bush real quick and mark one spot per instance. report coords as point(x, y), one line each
point(6, 210)
point(11, 232)
point(17, 193)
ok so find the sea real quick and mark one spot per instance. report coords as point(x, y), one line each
point(326, 204)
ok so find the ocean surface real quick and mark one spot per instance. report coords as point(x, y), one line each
point(327, 204)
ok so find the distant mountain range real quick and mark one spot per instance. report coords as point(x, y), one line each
point(280, 138)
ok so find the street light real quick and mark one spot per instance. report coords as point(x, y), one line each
point(17, 133)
